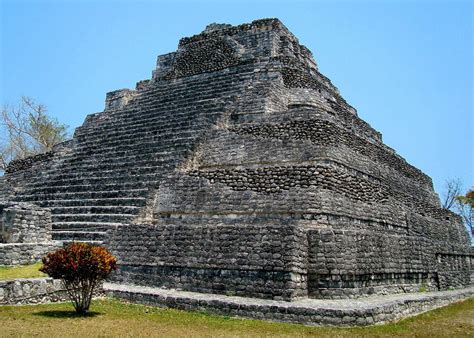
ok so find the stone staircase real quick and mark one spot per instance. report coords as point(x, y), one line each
point(119, 156)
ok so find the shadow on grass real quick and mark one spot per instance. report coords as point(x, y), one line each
point(66, 314)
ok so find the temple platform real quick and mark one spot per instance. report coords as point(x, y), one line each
point(363, 311)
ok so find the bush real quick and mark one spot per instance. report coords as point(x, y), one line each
point(81, 267)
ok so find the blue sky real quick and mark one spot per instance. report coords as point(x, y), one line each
point(406, 66)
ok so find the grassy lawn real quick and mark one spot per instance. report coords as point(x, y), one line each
point(21, 271)
point(110, 317)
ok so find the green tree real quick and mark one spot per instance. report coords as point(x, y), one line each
point(27, 130)
point(454, 200)
point(465, 207)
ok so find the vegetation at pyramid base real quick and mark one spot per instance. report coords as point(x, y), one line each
point(81, 267)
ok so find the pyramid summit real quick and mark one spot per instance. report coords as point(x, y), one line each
point(239, 169)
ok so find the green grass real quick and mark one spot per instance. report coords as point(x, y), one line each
point(21, 271)
point(114, 318)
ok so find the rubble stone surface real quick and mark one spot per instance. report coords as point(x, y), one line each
point(340, 312)
point(31, 291)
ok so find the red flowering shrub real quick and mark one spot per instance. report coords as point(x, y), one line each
point(81, 267)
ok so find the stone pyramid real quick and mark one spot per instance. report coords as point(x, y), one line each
point(239, 169)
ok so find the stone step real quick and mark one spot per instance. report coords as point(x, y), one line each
point(201, 93)
point(157, 95)
point(91, 202)
point(98, 194)
point(152, 156)
point(79, 235)
point(164, 111)
point(84, 226)
point(148, 149)
point(73, 174)
point(133, 145)
point(114, 186)
point(160, 107)
point(69, 175)
point(150, 145)
point(109, 218)
point(66, 242)
point(164, 91)
point(117, 209)
point(156, 121)
point(130, 165)
point(85, 169)
point(91, 180)
point(169, 135)
point(168, 128)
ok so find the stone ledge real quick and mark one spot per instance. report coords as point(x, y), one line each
point(26, 253)
point(344, 312)
point(31, 291)
point(41, 290)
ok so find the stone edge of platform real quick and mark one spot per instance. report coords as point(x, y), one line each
point(281, 311)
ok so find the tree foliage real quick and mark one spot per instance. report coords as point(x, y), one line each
point(27, 130)
point(465, 207)
point(467, 199)
point(81, 267)
point(463, 204)
point(452, 189)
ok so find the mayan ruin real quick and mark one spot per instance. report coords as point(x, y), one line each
point(238, 169)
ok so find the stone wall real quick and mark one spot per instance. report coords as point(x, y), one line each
point(25, 233)
point(31, 291)
point(35, 291)
point(27, 163)
point(368, 246)
point(39, 161)
point(352, 263)
point(24, 223)
point(119, 98)
point(324, 133)
point(368, 311)
point(455, 269)
point(183, 194)
point(26, 253)
point(262, 260)
point(202, 58)
point(230, 151)
point(274, 179)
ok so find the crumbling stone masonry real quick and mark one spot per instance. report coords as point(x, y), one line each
point(31, 291)
point(25, 233)
point(239, 169)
